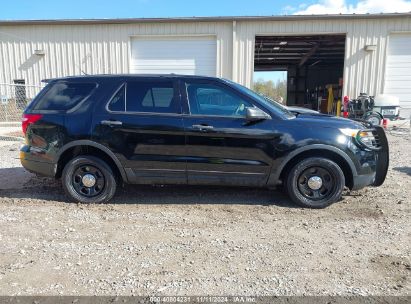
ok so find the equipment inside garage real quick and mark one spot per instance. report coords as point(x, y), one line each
point(313, 63)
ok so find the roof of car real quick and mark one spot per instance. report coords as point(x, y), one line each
point(104, 76)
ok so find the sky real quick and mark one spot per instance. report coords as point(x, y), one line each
point(271, 75)
point(73, 9)
point(78, 9)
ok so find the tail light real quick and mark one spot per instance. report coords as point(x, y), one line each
point(28, 119)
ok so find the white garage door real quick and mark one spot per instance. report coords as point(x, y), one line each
point(398, 71)
point(179, 55)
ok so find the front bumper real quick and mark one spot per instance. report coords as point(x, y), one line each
point(383, 158)
point(375, 177)
point(362, 181)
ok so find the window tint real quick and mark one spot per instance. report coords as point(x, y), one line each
point(209, 99)
point(64, 95)
point(157, 97)
point(118, 102)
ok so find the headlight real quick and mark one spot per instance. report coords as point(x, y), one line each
point(350, 132)
point(365, 138)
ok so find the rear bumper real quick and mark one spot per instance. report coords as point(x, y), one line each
point(38, 167)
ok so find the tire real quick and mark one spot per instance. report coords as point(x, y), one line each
point(374, 119)
point(73, 180)
point(305, 174)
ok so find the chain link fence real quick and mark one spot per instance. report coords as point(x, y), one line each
point(13, 100)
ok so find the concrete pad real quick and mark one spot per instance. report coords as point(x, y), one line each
point(14, 178)
point(401, 124)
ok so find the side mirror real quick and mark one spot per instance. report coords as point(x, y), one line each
point(256, 114)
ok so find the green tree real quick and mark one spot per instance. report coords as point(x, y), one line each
point(269, 88)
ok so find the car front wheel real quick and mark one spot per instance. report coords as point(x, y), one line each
point(88, 179)
point(315, 182)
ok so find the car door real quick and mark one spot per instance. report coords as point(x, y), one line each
point(222, 146)
point(142, 124)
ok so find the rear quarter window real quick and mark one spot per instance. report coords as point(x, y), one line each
point(62, 96)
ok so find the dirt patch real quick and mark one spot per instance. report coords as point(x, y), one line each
point(397, 268)
point(204, 240)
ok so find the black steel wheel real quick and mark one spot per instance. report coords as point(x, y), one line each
point(315, 182)
point(88, 179)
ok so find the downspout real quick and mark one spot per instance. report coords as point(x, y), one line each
point(234, 61)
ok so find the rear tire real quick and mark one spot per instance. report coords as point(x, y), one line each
point(315, 182)
point(88, 179)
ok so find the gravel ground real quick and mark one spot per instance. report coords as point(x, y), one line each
point(203, 240)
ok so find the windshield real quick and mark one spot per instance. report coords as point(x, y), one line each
point(266, 101)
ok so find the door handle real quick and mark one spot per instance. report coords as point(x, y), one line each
point(111, 123)
point(202, 127)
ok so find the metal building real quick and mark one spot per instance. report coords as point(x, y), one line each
point(362, 53)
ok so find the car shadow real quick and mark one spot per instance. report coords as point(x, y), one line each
point(406, 170)
point(29, 186)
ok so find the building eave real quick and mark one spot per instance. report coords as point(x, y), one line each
point(203, 19)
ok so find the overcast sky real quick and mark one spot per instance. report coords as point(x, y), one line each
point(56, 9)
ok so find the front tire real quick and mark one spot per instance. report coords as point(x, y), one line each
point(88, 179)
point(315, 182)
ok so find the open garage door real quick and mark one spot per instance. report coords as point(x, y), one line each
point(179, 55)
point(312, 63)
point(398, 71)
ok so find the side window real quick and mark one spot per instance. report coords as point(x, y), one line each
point(210, 99)
point(155, 97)
point(118, 101)
point(158, 97)
point(64, 95)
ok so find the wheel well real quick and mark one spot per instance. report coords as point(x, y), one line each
point(338, 159)
point(75, 151)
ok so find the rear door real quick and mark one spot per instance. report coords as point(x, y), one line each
point(222, 146)
point(142, 124)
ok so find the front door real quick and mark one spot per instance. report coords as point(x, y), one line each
point(142, 124)
point(224, 148)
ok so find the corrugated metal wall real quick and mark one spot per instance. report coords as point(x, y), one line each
point(92, 49)
point(105, 48)
point(363, 71)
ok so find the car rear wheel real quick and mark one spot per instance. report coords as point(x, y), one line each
point(88, 179)
point(315, 182)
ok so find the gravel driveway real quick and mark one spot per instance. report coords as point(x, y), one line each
point(203, 240)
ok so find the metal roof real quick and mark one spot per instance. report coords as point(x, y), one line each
point(203, 19)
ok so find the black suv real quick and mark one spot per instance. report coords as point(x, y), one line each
point(97, 132)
